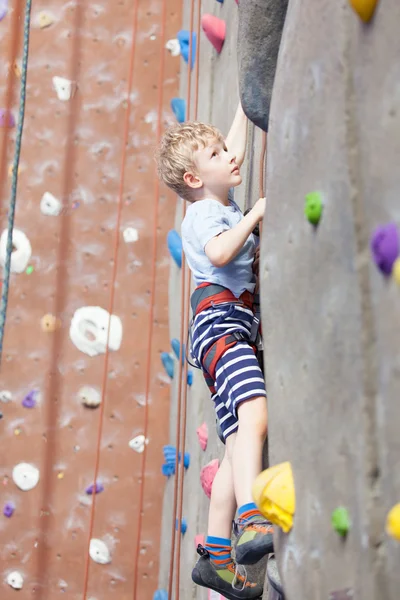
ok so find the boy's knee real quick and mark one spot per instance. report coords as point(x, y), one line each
point(253, 415)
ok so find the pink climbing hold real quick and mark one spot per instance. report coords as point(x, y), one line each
point(202, 434)
point(199, 539)
point(207, 475)
point(215, 30)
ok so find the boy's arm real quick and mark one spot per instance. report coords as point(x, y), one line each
point(223, 248)
point(236, 139)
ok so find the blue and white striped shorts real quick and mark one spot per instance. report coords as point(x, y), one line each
point(238, 374)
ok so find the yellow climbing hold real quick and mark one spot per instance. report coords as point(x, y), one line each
point(45, 20)
point(396, 271)
point(17, 70)
point(11, 170)
point(50, 323)
point(60, 475)
point(364, 8)
point(274, 494)
point(393, 523)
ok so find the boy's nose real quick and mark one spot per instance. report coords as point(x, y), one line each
point(233, 159)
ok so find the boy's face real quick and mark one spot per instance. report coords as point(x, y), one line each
point(216, 167)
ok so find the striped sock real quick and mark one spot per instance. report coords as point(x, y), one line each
point(249, 512)
point(219, 550)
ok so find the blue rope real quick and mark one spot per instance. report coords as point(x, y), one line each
point(18, 141)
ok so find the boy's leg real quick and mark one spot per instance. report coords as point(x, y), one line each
point(223, 502)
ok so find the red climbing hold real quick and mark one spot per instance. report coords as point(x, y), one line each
point(215, 30)
point(202, 434)
point(207, 475)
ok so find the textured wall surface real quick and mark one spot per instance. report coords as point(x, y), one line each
point(102, 93)
point(330, 319)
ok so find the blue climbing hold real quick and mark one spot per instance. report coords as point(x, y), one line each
point(168, 470)
point(220, 1)
point(183, 526)
point(160, 595)
point(190, 377)
point(178, 107)
point(170, 458)
point(168, 363)
point(183, 38)
point(174, 243)
point(176, 347)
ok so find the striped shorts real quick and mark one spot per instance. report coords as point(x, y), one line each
point(238, 374)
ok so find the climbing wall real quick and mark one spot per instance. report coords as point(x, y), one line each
point(59, 502)
point(330, 313)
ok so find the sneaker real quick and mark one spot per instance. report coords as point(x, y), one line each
point(228, 582)
point(255, 540)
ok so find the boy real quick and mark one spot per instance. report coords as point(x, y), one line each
point(220, 248)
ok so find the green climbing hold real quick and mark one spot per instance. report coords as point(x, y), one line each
point(313, 207)
point(29, 270)
point(341, 521)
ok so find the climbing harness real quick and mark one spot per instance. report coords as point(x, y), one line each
point(208, 295)
point(14, 185)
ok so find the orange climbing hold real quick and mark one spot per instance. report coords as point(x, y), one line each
point(274, 494)
point(364, 8)
point(215, 30)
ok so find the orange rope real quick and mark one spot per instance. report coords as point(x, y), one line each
point(113, 279)
point(181, 407)
point(53, 391)
point(17, 19)
point(152, 294)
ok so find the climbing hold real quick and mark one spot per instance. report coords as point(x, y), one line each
point(199, 540)
point(21, 253)
point(50, 205)
point(11, 170)
point(167, 470)
point(49, 323)
point(45, 20)
point(5, 396)
point(176, 347)
point(89, 396)
point(25, 476)
point(15, 580)
point(274, 494)
point(396, 271)
point(6, 118)
point(8, 510)
point(130, 235)
point(313, 207)
point(207, 475)
point(160, 595)
point(174, 243)
point(364, 8)
point(220, 1)
point(65, 88)
point(95, 489)
point(17, 70)
point(88, 330)
point(173, 46)
point(178, 106)
point(168, 363)
point(385, 247)
point(346, 594)
point(99, 552)
point(341, 521)
point(138, 443)
point(30, 399)
point(190, 378)
point(3, 8)
point(215, 30)
point(29, 270)
point(170, 459)
point(183, 38)
point(393, 522)
point(202, 434)
point(183, 526)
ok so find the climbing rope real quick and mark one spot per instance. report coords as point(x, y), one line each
point(14, 185)
point(156, 196)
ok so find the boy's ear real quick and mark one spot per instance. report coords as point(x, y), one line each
point(192, 180)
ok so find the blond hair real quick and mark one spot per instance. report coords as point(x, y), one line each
point(175, 155)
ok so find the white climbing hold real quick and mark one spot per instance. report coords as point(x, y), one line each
point(138, 443)
point(173, 47)
point(130, 235)
point(25, 476)
point(89, 396)
point(88, 330)
point(15, 580)
point(99, 552)
point(21, 255)
point(5, 396)
point(65, 88)
point(50, 205)
point(45, 20)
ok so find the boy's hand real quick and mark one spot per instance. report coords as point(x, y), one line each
point(259, 207)
point(256, 262)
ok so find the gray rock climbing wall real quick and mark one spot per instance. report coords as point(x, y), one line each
point(331, 320)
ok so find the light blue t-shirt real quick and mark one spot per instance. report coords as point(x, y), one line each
point(204, 220)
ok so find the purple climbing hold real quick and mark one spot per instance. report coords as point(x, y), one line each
point(3, 9)
point(95, 488)
point(6, 117)
point(385, 247)
point(8, 510)
point(30, 400)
